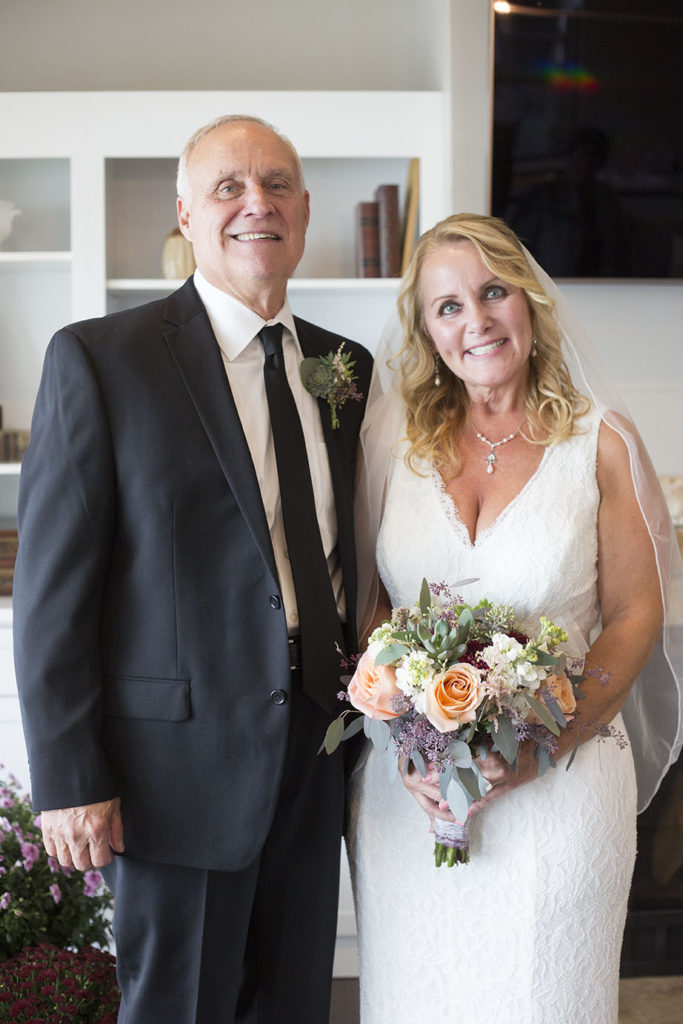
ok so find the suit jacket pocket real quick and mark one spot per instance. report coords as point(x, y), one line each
point(161, 700)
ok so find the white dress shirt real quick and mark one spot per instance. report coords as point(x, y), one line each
point(236, 327)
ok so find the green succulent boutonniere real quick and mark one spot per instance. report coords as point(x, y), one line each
point(331, 377)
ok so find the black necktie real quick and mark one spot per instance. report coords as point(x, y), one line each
point(318, 617)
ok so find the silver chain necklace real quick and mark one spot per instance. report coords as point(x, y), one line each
point(492, 458)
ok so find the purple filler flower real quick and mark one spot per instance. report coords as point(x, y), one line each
point(93, 880)
point(5, 900)
point(55, 892)
point(31, 853)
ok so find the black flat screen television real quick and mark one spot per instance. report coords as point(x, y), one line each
point(587, 162)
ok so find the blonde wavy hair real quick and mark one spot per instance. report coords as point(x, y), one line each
point(437, 416)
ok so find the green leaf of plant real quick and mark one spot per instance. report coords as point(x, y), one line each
point(391, 653)
point(543, 713)
point(461, 753)
point(444, 780)
point(355, 726)
point(571, 758)
point(543, 658)
point(457, 800)
point(333, 736)
point(379, 733)
point(466, 619)
point(505, 740)
point(419, 762)
point(425, 597)
point(470, 782)
point(555, 710)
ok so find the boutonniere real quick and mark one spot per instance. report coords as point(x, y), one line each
point(331, 377)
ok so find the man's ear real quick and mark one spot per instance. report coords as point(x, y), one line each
point(184, 218)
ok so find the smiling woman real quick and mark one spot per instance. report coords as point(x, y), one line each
point(242, 204)
point(570, 518)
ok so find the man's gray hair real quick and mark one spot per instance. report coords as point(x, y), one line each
point(182, 179)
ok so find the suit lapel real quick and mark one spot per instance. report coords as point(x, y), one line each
point(314, 343)
point(195, 351)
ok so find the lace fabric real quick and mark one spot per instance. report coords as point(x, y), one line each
point(552, 861)
point(654, 709)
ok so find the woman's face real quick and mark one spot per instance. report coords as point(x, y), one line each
point(480, 326)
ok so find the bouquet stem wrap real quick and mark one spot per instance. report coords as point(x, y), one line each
point(452, 842)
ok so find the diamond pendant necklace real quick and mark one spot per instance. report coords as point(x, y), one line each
point(492, 458)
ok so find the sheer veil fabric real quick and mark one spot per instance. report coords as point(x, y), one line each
point(653, 712)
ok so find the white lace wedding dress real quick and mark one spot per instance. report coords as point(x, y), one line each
point(530, 931)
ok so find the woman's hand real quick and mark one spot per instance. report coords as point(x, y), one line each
point(503, 778)
point(426, 791)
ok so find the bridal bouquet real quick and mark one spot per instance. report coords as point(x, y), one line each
point(444, 683)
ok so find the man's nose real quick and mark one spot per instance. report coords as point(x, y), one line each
point(257, 200)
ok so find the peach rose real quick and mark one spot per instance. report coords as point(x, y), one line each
point(372, 687)
point(453, 697)
point(563, 692)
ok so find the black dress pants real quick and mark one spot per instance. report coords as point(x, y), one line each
point(248, 947)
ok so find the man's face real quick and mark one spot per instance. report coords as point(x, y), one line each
point(246, 213)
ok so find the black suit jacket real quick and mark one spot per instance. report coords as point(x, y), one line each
point(149, 632)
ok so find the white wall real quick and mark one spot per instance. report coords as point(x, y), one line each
point(220, 44)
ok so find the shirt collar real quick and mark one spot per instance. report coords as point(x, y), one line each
point(233, 323)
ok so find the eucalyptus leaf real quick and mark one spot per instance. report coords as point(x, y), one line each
point(543, 658)
point(543, 713)
point(543, 761)
point(391, 653)
point(555, 710)
point(379, 733)
point(571, 757)
point(355, 726)
point(505, 739)
point(457, 800)
point(419, 762)
point(483, 750)
point(483, 784)
point(425, 597)
point(461, 753)
point(334, 734)
point(444, 780)
point(470, 782)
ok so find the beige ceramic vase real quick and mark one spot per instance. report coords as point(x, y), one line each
point(177, 256)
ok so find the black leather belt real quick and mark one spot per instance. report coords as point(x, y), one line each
point(294, 652)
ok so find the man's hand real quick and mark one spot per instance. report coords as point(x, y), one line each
point(83, 837)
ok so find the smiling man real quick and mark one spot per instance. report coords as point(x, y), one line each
point(186, 570)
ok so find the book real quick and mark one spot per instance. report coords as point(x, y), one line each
point(411, 208)
point(389, 227)
point(13, 444)
point(367, 239)
point(9, 544)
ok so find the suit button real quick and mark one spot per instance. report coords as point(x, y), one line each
point(278, 697)
point(275, 601)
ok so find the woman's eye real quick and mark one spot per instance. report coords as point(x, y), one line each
point(448, 308)
point(496, 291)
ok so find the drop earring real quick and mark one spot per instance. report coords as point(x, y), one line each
point(437, 373)
point(534, 348)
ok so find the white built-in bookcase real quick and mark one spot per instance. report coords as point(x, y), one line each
point(94, 176)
